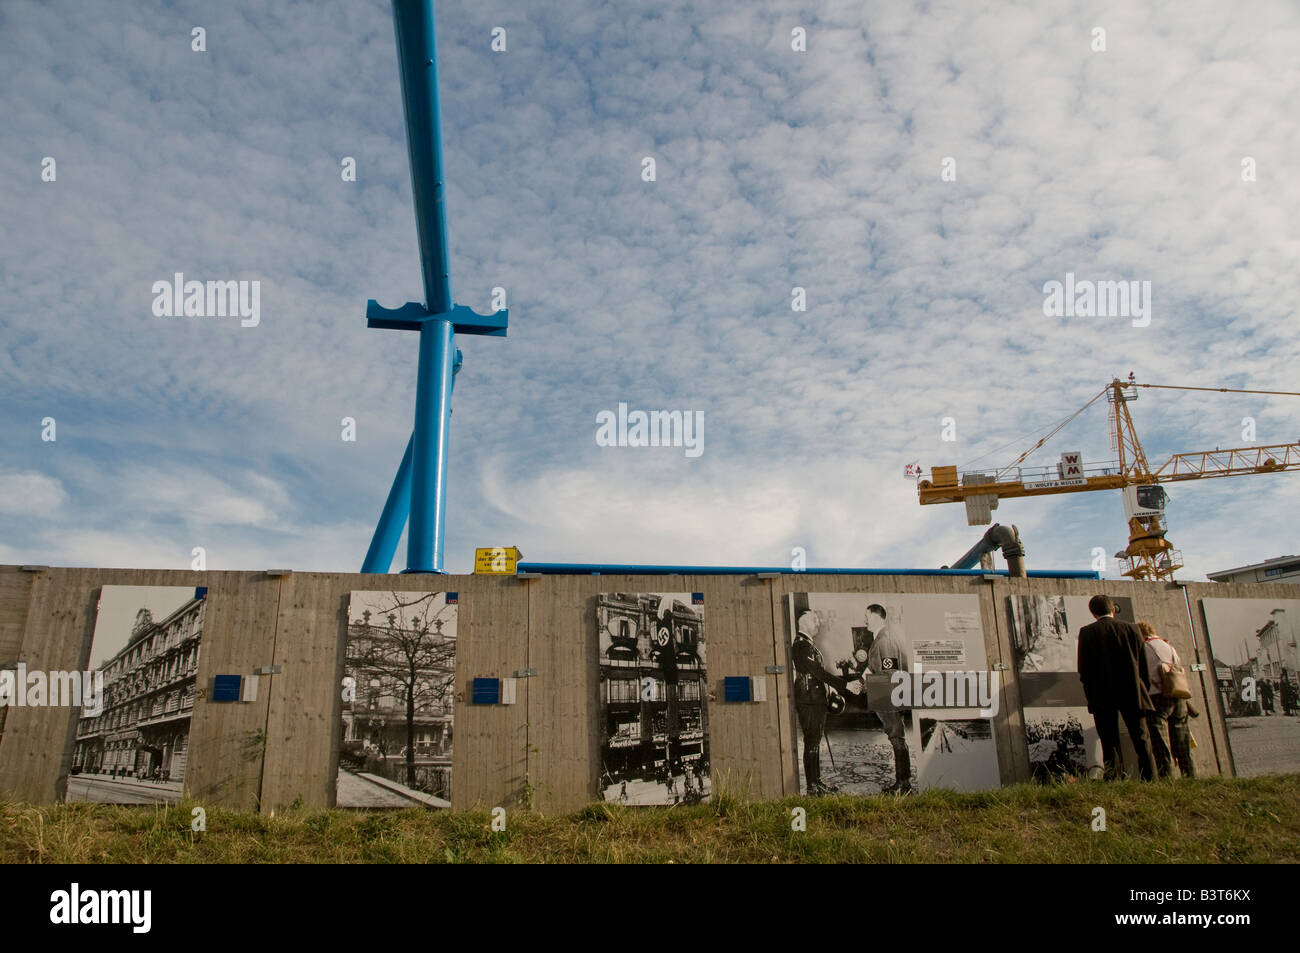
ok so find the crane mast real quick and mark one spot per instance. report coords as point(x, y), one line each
point(1148, 555)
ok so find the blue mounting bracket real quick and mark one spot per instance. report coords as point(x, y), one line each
point(410, 316)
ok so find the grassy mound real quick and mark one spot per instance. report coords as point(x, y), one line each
point(1215, 820)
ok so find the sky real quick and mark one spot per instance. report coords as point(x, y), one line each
point(821, 169)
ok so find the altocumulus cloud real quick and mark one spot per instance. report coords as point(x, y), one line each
point(30, 491)
point(775, 169)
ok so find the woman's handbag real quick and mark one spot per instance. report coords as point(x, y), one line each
point(1173, 681)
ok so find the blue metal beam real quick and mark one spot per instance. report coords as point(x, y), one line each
point(379, 557)
point(429, 460)
point(616, 569)
point(417, 57)
point(420, 487)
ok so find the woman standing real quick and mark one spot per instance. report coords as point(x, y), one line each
point(1170, 717)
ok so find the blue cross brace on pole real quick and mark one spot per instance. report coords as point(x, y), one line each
point(420, 487)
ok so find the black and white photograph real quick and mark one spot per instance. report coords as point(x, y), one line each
point(132, 746)
point(399, 689)
point(1063, 744)
point(1044, 630)
point(654, 718)
point(1040, 634)
point(1060, 733)
point(848, 736)
point(1256, 662)
point(958, 754)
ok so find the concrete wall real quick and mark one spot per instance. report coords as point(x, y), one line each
point(284, 746)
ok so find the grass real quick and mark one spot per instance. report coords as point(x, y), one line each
point(1216, 820)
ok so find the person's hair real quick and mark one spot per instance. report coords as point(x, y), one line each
point(1100, 606)
point(878, 609)
point(1148, 630)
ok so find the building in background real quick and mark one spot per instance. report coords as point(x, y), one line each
point(1279, 569)
point(143, 730)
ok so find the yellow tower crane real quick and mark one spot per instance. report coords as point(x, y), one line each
point(1149, 555)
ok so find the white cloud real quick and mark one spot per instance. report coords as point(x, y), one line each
point(31, 492)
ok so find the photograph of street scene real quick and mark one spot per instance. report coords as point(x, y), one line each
point(654, 721)
point(1256, 665)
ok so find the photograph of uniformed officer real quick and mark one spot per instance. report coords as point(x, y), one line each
point(815, 690)
point(888, 655)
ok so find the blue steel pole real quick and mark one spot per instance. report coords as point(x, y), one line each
point(422, 479)
point(379, 557)
point(417, 52)
point(424, 540)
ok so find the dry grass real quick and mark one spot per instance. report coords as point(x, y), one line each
point(1215, 820)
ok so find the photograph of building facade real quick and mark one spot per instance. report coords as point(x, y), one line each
point(653, 694)
point(398, 700)
point(1255, 648)
point(136, 749)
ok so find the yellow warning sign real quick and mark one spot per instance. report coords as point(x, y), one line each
point(496, 561)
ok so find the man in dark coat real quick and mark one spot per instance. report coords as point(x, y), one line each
point(813, 686)
point(1113, 669)
point(1289, 694)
